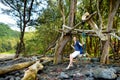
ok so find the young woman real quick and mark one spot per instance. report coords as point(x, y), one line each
point(78, 51)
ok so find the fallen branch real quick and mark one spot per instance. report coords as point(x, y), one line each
point(52, 45)
point(88, 17)
point(45, 60)
point(92, 31)
point(15, 67)
point(86, 31)
point(113, 34)
point(31, 73)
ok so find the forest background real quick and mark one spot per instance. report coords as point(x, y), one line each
point(49, 22)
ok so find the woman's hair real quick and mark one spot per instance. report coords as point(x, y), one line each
point(74, 37)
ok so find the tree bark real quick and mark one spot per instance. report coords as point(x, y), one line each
point(65, 38)
point(59, 47)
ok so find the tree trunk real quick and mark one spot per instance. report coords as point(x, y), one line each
point(105, 39)
point(65, 38)
point(25, 18)
point(59, 47)
point(20, 46)
point(105, 53)
point(88, 45)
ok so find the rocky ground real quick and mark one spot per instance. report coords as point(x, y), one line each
point(81, 70)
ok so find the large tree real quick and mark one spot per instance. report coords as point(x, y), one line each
point(22, 11)
point(60, 44)
point(114, 5)
point(105, 38)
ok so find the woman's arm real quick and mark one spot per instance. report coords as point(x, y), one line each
point(80, 44)
point(72, 46)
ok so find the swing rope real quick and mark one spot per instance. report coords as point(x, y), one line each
point(84, 39)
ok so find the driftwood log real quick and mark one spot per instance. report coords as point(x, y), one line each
point(31, 73)
point(46, 60)
point(15, 67)
point(32, 67)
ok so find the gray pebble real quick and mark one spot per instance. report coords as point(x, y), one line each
point(2, 79)
point(17, 78)
point(12, 78)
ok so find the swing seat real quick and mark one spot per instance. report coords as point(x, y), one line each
point(84, 57)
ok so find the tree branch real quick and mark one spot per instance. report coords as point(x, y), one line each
point(112, 14)
point(62, 11)
point(100, 17)
point(9, 4)
point(114, 35)
point(88, 16)
point(29, 12)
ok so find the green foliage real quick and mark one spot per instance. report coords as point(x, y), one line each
point(8, 38)
point(30, 43)
point(5, 31)
point(46, 33)
point(37, 42)
point(49, 23)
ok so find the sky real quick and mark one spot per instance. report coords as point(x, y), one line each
point(4, 18)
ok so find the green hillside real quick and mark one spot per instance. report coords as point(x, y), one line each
point(5, 31)
point(8, 38)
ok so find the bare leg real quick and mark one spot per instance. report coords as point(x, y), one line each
point(73, 55)
point(71, 62)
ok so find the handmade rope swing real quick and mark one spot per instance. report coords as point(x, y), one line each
point(84, 40)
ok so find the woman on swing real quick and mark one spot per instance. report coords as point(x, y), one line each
point(78, 51)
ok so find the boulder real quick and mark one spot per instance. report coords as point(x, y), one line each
point(63, 75)
point(118, 78)
point(117, 69)
point(105, 73)
point(89, 78)
point(12, 78)
point(88, 73)
point(17, 78)
point(2, 79)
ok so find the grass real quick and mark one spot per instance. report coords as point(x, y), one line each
point(9, 52)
